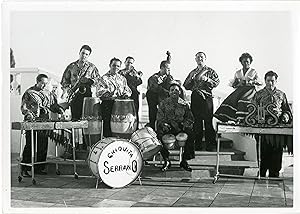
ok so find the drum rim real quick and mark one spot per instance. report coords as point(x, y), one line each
point(142, 162)
point(123, 100)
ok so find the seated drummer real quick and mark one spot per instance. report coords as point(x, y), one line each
point(37, 102)
point(174, 116)
point(272, 145)
point(111, 86)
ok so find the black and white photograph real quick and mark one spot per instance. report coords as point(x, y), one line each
point(150, 106)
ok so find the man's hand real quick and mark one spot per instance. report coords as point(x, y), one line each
point(285, 118)
point(165, 127)
point(29, 117)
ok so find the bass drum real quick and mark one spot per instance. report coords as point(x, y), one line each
point(147, 142)
point(123, 118)
point(117, 162)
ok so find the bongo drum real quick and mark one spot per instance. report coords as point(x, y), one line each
point(169, 141)
point(181, 139)
point(147, 142)
point(123, 118)
point(116, 161)
point(92, 113)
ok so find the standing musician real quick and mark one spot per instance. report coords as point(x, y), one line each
point(201, 81)
point(134, 79)
point(77, 80)
point(174, 116)
point(272, 145)
point(158, 89)
point(111, 86)
point(37, 102)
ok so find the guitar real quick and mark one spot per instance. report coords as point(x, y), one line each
point(76, 87)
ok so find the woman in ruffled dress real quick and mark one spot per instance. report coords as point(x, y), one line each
point(234, 107)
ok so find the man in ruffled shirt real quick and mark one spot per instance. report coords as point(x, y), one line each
point(37, 102)
point(272, 145)
point(111, 86)
point(201, 81)
point(174, 116)
point(158, 89)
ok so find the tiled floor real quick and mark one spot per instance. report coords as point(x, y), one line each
point(59, 191)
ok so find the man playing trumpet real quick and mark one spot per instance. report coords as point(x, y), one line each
point(134, 79)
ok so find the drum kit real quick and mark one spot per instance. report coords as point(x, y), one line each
point(117, 161)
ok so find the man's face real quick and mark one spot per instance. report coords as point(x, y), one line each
point(174, 91)
point(115, 66)
point(246, 63)
point(270, 82)
point(129, 63)
point(166, 69)
point(42, 83)
point(84, 55)
point(200, 59)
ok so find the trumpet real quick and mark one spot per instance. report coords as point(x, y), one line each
point(135, 73)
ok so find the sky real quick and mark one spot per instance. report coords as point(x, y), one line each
point(51, 40)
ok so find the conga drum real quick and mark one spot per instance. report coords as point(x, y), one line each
point(147, 142)
point(116, 161)
point(123, 118)
point(92, 113)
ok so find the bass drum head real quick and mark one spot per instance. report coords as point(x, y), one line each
point(120, 163)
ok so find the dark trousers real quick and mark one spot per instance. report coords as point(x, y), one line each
point(135, 97)
point(106, 110)
point(77, 103)
point(202, 109)
point(152, 100)
point(271, 157)
point(189, 148)
point(42, 149)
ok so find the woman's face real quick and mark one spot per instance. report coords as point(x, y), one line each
point(246, 62)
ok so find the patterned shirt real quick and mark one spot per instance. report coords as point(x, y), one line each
point(178, 113)
point(114, 84)
point(264, 97)
point(133, 81)
point(39, 102)
point(74, 71)
point(250, 77)
point(160, 85)
point(194, 82)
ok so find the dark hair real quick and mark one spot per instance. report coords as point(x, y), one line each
point(40, 76)
point(271, 74)
point(129, 57)
point(86, 47)
point(163, 63)
point(245, 56)
point(200, 53)
point(114, 59)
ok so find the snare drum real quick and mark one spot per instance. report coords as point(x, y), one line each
point(116, 161)
point(147, 142)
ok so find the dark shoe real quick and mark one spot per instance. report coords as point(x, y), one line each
point(25, 173)
point(166, 166)
point(185, 166)
point(41, 172)
point(274, 174)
